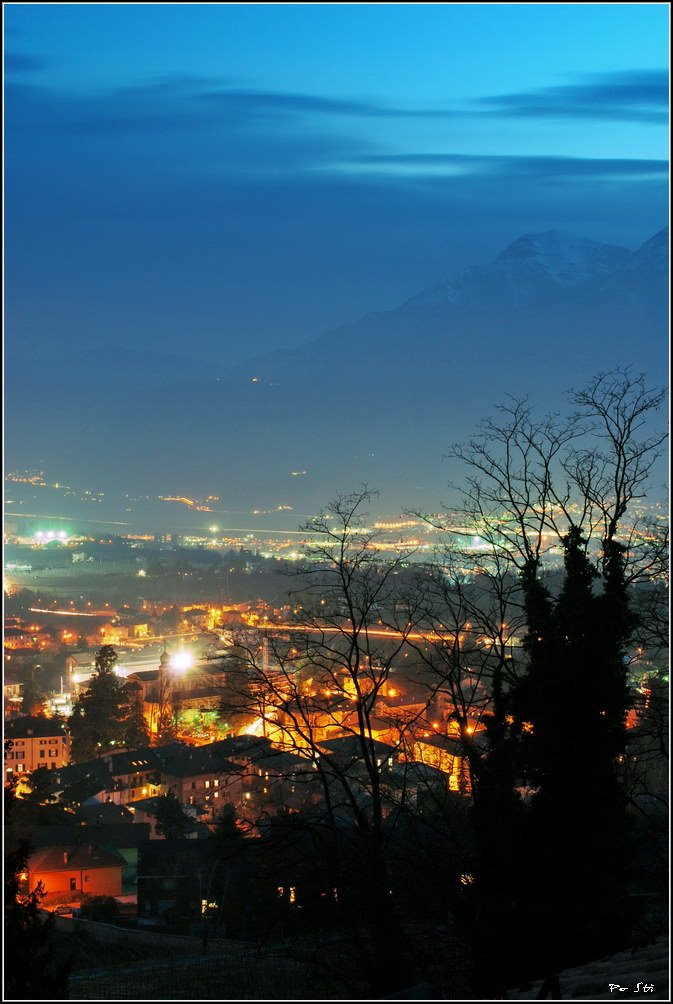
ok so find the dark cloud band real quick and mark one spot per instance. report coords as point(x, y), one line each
point(18, 62)
point(639, 95)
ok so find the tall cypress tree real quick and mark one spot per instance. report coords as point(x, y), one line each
point(547, 772)
point(499, 913)
point(571, 706)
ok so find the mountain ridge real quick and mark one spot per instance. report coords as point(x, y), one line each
point(489, 288)
point(378, 400)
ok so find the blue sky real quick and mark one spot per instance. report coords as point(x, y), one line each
point(224, 179)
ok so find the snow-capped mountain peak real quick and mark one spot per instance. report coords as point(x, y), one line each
point(533, 266)
point(567, 259)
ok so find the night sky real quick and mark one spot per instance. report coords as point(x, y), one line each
point(221, 180)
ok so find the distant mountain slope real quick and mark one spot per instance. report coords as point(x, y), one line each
point(642, 273)
point(377, 400)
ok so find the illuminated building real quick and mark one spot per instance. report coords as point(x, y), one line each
point(36, 742)
point(80, 868)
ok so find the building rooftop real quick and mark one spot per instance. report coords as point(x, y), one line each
point(452, 746)
point(414, 772)
point(104, 812)
point(81, 781)
point(198, 760)
point(73, 857)
point(109, 836)
point(84, 660)
point(133, 761)
point(32, 726)
point(250, 746)
point(144, 675)
point(283, 762)
point(351, 747)
point(148, 805)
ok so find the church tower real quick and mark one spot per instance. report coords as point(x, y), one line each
point(166, 731)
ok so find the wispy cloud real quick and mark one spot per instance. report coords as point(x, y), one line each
point(636, 95)
point(189, 102)
point(19, 62)
point(542, 166)
point(279, 104)
point(213, 126)
point(178, 104)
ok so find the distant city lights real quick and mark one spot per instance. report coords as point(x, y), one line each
point(47, 536)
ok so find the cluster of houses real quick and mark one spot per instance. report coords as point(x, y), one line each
point(110, 834)
point(112, 802)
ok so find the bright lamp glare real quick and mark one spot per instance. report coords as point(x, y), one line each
point(181, 661)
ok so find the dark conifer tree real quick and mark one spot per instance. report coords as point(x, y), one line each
point(136, 732)
point(570, 713)
point(34, 696)
point(553, 846)
point(172, 820)
point(107, 714)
